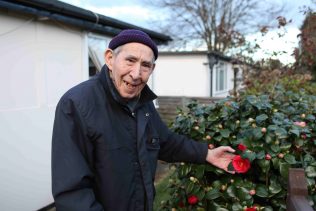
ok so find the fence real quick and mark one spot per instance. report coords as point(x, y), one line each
point(167, 106)
point(297, 191)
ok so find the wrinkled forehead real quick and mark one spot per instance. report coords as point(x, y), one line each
point(137, 50)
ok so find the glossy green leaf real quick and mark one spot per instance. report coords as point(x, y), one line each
point(281, 133)
point(276, 163)
point(231, 191)
point(262, 191)
point(237, 207)
point(225, 133)
point(275, 148)
point(260, 155)
point(257, 133)
point(264, 164)
point(190, 187)
point(200, 171)
point(243, 193)
point(290, 159)
point(285, 146)
point(284, 169)
point(200, 194)
point(213, 194)
point(295, 131)
point(274, 186)
point(310, 171)
point(261, 118)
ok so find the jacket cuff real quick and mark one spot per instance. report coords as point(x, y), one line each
point(203, 149)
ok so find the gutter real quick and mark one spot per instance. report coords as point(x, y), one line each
point(76, 16)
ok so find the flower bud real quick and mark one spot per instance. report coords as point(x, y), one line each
point(263, 130)
point(303, 116)
point(237, 122)
point(268, 157)
point(250, 120)
point(252, 192)
point(208, 137)
point(220, 126)
point(193, 179)
point(196, 128)
point(280, 155)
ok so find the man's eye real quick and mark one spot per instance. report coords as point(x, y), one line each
point(147, 65)
point(130, 60)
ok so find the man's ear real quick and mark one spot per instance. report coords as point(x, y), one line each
point(108, 57)
point(154, 65)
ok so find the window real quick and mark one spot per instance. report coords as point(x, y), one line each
point(97, 45)
point(221, 77)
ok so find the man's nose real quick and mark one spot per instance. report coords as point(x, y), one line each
point(136, 72)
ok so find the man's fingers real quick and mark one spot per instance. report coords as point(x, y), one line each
point(226, 149)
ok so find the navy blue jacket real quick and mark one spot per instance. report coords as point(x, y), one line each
point(102, 151)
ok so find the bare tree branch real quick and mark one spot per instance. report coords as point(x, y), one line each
point(219, 25)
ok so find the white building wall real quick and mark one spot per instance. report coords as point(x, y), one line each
point(181, 75)
point(188, 75)
point(39, 62)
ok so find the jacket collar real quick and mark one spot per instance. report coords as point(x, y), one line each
point(146, 94)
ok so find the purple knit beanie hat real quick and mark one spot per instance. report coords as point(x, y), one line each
point(133, 35)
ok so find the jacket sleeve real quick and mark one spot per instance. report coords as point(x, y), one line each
point(179, 148)
point(71, 175)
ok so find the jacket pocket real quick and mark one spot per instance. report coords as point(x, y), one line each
point(153, 143)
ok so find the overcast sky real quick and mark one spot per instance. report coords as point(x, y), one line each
point(136, 12)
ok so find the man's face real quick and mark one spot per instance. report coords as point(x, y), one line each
point(130, 66)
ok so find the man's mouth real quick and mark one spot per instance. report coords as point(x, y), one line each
point(132, 86)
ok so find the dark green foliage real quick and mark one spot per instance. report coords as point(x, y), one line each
point(265, 124)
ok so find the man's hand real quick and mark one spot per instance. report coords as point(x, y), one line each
point(221, 157)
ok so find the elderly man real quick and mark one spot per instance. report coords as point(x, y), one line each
point(108, 136)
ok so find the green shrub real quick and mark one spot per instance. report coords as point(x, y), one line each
point(273, 132)
point(267, 81)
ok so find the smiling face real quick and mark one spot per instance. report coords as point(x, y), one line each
point(130, 67)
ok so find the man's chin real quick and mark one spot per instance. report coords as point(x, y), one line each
point(129, 96)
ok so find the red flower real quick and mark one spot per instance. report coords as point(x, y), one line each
point(240, 165)
point(241, 147)
point(251, 209)
point(193, 199)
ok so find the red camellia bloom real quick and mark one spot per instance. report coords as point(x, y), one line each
point(240, 165)
point(241, 147)
point(251, 209)
point(193, 199)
